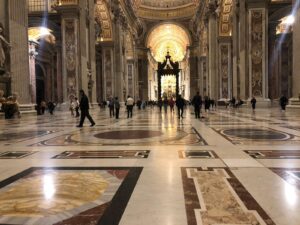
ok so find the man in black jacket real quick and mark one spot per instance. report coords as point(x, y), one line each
point(84, 107)
point(197, 103)
point(180, 105)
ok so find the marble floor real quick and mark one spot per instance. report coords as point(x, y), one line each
point(233, 167)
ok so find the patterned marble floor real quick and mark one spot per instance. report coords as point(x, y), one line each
point(231, 167)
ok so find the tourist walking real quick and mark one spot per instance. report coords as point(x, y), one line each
point(117, 107)
point(139, 104)
point(76, 107)
point(72, 106)
point(84, 107)
point(197, 103)
point(165, 103)
point(111, 107)
point(253, 103)
point(43, 107)
point(180, 105)
point(283, 102)
point(171, 103)
point(129, 105)
point(159, 104)
point(51, 107)
point(206, 103)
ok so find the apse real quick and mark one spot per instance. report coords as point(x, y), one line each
point(168, 38)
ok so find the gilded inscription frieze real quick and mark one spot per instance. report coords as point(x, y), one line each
point(225, 26)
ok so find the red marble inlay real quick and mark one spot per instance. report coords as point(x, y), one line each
point(129, 134)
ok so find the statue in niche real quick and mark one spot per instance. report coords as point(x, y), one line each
point(3, 42)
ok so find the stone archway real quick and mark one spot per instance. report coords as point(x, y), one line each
point(171, 39)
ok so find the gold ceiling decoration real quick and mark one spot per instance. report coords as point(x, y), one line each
point(225, 27)
point(168, 37)
point(103, 17)
point(38, 33)
point(158, 4)
point(166, 9)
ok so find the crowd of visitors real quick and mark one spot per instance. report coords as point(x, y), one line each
point(43, 106)
point(10, 106)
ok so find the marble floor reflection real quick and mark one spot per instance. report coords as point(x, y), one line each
point(230, 167)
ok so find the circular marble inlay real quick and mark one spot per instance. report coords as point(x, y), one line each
point(258, 134)
point(22, 134)
point(128, 134)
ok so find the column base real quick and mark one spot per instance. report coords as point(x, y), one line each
point(222, 102)
point(294, 103)
point(261, 102)
point(27, 108)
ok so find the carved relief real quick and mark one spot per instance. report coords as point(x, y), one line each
point(130, 79)
point(225, 70)
point(257, 34)
point(203, 41)
point(108, 74)
point(102, 17)
point(225, 26)
point(70, 55)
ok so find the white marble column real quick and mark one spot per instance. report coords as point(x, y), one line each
point(242, 71)
point(19, 58)
point(59, 78)
point(295, 100)
point(258, 51)
point(235, 54)
point(78, 49)
point(118, 82)
point(32, 55)
point(142, 68)
point(108, 71)
point(212, 53)
point(194, 69)
point(225, 69)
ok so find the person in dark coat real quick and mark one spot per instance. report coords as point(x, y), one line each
point(253, 103)
point(206, 103)
point(159, 104)
point(84, 107)
point(117, 107)
point(111, 106)
point(51, 107)
point(197, 103)
point(283, 102)
point(180, 105)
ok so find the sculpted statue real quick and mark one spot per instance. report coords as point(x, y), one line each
point(3, 42)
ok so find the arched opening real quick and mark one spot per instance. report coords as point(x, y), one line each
point(44, 79)
point(40, 84)
point(169, 40)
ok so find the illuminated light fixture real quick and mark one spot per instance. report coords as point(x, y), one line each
point(285, 25)
point(36, 33)
point(44, 31)
point(290, 20)
point(101, 39)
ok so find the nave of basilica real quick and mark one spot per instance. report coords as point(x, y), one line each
point(239, 163)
